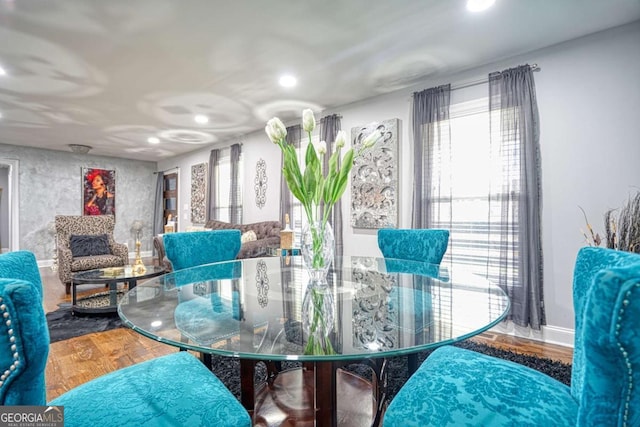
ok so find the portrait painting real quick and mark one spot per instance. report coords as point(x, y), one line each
point(98, 191)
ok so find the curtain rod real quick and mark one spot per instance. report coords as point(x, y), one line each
point(175, 167)
point(534, 67)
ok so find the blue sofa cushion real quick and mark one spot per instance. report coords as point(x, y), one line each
point(458, 387)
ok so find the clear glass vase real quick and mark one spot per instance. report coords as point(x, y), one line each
point(318, 315)
point(317, 249)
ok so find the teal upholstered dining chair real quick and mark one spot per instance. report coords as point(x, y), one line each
point(416, 244)
point(460, 387)
point(190, 249)
point(171, 390)
point(195, 317)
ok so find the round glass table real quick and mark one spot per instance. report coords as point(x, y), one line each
point(252, 309)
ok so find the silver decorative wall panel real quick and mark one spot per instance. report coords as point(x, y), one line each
point(260, 183)
point(374, 177)
point(199, 193)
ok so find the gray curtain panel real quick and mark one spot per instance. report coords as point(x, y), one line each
point(515, 135)
point(158, 207)
point(212, 193)
point(430, 124)
point(329, 127)
point(294, 134)
point(235, 196)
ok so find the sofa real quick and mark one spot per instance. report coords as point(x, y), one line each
point(267, 235)
point(87, 243)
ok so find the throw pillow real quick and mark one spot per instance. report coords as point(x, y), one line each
point(249, 236)
point(89, 245)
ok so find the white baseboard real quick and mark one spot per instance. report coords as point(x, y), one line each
point(49, 262)
point(547, 334)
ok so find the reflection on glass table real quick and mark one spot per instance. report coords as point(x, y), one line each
point(251, 309)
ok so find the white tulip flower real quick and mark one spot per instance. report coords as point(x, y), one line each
point(308, 120)
point(276, 130)
point(341, 139)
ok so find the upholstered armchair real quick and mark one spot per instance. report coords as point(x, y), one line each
point(461, 387)
point(171, 390)
point(86, 243)
point(416, 244)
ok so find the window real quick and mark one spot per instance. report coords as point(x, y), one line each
point(223, 182)
point(468, 197)
point(299, 218)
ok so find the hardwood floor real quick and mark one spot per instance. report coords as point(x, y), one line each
point(78, 360)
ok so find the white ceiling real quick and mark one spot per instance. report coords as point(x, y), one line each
point(111, 73)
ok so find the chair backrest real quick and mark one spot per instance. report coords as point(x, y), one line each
point(24, 344)
point(418, 244)
point(67, 225)
point(610, 346)
point(21, 265)
point(589, 262)
point(189, 249)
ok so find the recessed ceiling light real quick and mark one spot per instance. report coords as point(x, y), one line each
point(3, 72)
point(288, 81)
point(479, 5)
point(201, 119)
point(153, 140)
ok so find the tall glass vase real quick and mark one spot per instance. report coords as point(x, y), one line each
point(317, 249)
point(318, 315)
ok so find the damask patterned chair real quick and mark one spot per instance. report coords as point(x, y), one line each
point(194, 317)
point(170, 390)
point(460, 387)
point(86, 243)
point(416, 244)
point(189, 249)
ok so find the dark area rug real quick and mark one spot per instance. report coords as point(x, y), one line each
point(228, 370)
point(64, 325)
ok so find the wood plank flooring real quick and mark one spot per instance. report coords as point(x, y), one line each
point(78, 360)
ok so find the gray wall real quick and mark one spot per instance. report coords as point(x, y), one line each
point(589, 101)
point(50, 183)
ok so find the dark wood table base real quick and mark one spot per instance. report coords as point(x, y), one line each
point(289, 400)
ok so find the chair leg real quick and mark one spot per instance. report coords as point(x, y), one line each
point(67, 288)
point(207, 360)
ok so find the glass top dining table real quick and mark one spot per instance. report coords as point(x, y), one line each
point(252, 309)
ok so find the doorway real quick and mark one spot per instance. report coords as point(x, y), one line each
point(9, 206)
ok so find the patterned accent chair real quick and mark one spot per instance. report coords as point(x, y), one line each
point(416, 244)
point(170, 390)
point(93, 225)
point(460, 387)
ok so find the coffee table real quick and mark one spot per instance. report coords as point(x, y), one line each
point(106, 302)
point(251, 310)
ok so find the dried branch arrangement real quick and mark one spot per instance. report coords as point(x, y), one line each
point(622, 230)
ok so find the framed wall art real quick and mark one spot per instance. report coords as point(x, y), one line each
point(98, 191)
point(374, 177)
point(199, 193)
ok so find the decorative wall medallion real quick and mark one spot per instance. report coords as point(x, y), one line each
point(374, 177)
point(375, 307)
point(262, 283)
point(199, 193)
point(261, 183)
point(200, 289)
